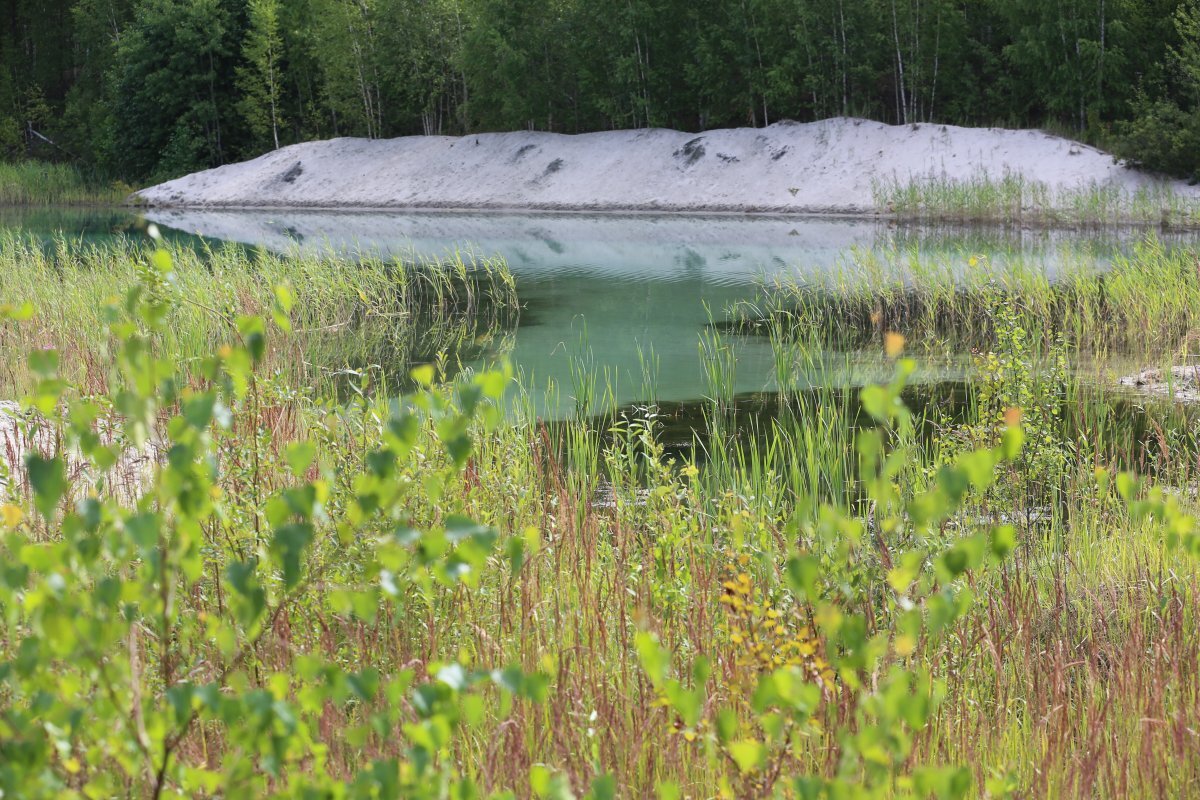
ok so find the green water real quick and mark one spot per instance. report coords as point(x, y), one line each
point(627, 298)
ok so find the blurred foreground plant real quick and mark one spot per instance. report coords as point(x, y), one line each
point(146, 646)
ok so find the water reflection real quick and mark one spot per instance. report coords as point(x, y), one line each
point(621, 291)
point(618, 291)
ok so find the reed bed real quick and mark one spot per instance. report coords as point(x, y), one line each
point(351, 315)
point(1142, 300)
point(1014, 199)
point(37, 183)
point(1074, 674)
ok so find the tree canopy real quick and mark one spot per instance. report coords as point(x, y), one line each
point(146, 89)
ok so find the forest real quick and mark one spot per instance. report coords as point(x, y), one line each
point(151, 89)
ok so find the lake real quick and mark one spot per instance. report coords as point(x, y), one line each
point(630, 296)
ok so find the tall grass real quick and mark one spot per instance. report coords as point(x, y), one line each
point(351, 316)
point(37, 183)
point(1075, 674)
point(1014, 199)
point(1143, 300)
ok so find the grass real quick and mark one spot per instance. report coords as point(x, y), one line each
point(948, 302)
point(351, 316)
point(38, 183)
point(1014, 199)
point(1074, 673)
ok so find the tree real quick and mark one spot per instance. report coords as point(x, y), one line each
point(261, 78)
point(1066, 55)
point(345, 50)
point(171, 92)
point(1165, 132)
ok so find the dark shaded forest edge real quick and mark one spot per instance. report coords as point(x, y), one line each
point(146, 90)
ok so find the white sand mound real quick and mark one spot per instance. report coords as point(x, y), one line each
point(1181, 383)
point(820, 167)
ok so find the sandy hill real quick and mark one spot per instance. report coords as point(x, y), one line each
point(830, 166)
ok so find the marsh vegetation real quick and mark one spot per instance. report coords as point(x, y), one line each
point(879, 579)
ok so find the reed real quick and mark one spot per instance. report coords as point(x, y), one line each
point(1073, 673)
point(350, 315)
point(36, 183)
point(1142, 300)
point(1013, 199)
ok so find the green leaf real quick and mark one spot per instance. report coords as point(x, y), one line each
point(300, 456)
point(288, 545)
point(48, 479)
point(423, 375)
point(875, 401)
point(20, 313)
point(43, 362)
point(198, 410)
point(654, 659)
point(254, 334)
point(604, 787)
point(161, 260)
point(243, 579)
point(747, 754)
point(668, 790)
point(1127, 486)
point(802, 572)
point(1003, 540)
point(459, 449)
point(364, 684)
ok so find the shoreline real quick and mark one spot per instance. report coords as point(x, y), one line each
point(1033, 222)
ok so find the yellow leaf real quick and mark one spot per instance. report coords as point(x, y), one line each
point(423, 374)
point(11, 515)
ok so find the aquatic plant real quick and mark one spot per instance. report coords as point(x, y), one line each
point(1015, 199)
point(37, 183)
point(217, 581)
point(352, 315)
point(947, 302)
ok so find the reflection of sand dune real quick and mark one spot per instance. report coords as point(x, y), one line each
point(721, 249)
point(734, 249)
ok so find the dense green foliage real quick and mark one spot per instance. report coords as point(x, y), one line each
point(153, 88)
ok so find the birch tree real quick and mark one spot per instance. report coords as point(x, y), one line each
point(260, 80)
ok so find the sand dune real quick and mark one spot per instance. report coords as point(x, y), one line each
point(820, 167)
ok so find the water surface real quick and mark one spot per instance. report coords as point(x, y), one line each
point(627, 297)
